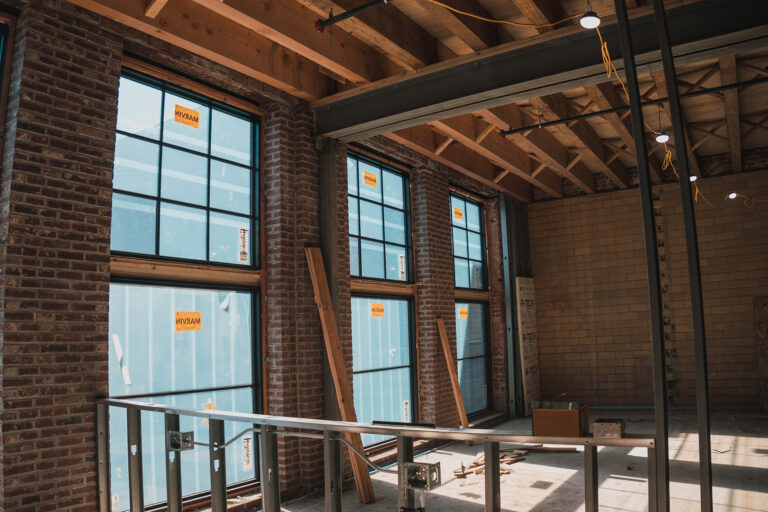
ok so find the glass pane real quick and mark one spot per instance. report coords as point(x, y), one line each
point(138, 108)
point(473, 384)
point(461, 273)
point(133, 224)
point(231, 137)
point(370, 181)
point(458, 215)
point(230, 187)
point(459, 242)
point(397, 266)
point(184, 177)
point(136, 164)
point(149, 352)
point(475, 246)
point(382, 396)
point(394, 226)
point(352, 176)
point(380, 333)
point(470, 330)
point(230, 239)
point(393, 190)
point(241, 460)
point(372, 259)
point(182, 232)
point(476, 275)
point(353, 219)
point(473, 216)
point(354, 257)
point(185, 123)
point(371, 220)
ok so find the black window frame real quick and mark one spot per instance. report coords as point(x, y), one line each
point(466, 230)
point(486, 353)
point(254, 217)
point(406, 210)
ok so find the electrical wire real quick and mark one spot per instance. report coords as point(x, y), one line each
point(504, 22)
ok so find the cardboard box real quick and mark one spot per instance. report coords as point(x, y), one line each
point(561, 422)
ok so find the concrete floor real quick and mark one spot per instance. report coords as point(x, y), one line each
point(547, 482)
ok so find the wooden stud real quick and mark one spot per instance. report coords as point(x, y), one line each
point(729, 75)
point(470, 34)
point(154, 7)
point(444, 145)
point(452, 373)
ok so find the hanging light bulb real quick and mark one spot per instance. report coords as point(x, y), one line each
point(590, 20)
point(693, 178)
point(661, 138)
point(732, 195)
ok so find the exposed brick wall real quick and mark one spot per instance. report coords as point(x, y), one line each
point(592, 298)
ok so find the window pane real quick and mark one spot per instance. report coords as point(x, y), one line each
point(230, 187)
point(459, 242)
point(380, 333)
point(138, 108)
point(136, 163)
point(470, 330)
point(370, 181)
point(461, 272)
point(230, 239)
point(473, 216)
point(185, 123)
point(231, 137)
point(397, 266)
point(371, 220)
point(184, 177)
point(182, 232)
point(473, 384)
point(393, 190)
point(475, 246)
point(476, 275)
point(352, 176)
point(394, 225)
point(458, 215)
point(353, 219)
point(354, 257)
point(372, 259)
point(382, 396)
point(133, 224)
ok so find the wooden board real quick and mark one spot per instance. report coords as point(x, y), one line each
point(761, 340)
point(528, 339)
point(452, 373)
point(338, 369)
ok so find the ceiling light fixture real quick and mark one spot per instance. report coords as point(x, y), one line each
point(693, 178)
point(590, 20)
point(733, 195)
point(662, 138)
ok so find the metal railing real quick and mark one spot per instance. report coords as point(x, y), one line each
point(269, 427)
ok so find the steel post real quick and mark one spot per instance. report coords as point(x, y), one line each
point(406, 499)
point(270, 476)
point(135, 465)
point(492, 475)
point(172, 465)
point(102, 456)
point(333, 473)
point(590, 478)
point(217, 465)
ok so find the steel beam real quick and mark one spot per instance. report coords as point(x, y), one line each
point(702, 30)
point(509, 285)
point(651, 261)
point(172, 465)
point(694, 272)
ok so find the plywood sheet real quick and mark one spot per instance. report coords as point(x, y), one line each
point(528, 339)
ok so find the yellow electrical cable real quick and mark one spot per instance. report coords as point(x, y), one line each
point(505, 22)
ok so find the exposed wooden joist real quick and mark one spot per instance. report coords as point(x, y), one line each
point(424, 140)
point(729, 75)
point(661, 84)
point(471, 34)
point(541, 12)
point(291, 25)
point(221, 40)
point(154, 7)
point(499, 151)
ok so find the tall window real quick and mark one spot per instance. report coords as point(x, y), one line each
point(468, 221)
point(379, 220)
point(185, 176)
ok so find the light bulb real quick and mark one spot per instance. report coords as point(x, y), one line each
point(693, 178)
point(590, 20)
point(661, 138)
point(732, 195)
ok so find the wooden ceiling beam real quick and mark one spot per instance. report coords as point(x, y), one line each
point(661, 84)
point(499, 151)
point(471, 34)
point(154, 7)
point(424, 140)
point(216, 38)
point(728, 76)
point(292, 26)
point(541, 12)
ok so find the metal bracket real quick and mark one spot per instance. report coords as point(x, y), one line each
point(422, 476)
point(180, 441)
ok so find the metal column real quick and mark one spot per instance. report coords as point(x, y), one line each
point(509, 318)
point(694, 272)
point(333, 473)
point(590, 478)
point(651, 261)
point(102, 456)
point(406, 498)
point(492, 475)
point(270, 477)
point(652, 489)
point(218, 466)
point(135, 465)
point(172, 465)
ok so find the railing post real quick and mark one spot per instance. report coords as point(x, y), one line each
point(590, 478)
point(333, 475)
point(102, 455)
point(135, 471)
point(172, 465)
point(653, 504)
point(492, 474)
point(218, 465)
point(270, 478)
point(406, 498)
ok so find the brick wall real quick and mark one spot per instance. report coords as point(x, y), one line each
point(592, 298)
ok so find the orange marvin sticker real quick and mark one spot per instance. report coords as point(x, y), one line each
point(377, 310)
point(463, 312)
point(186, 116)
point(188, 321)
point(369, 179)
point(458, 214)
